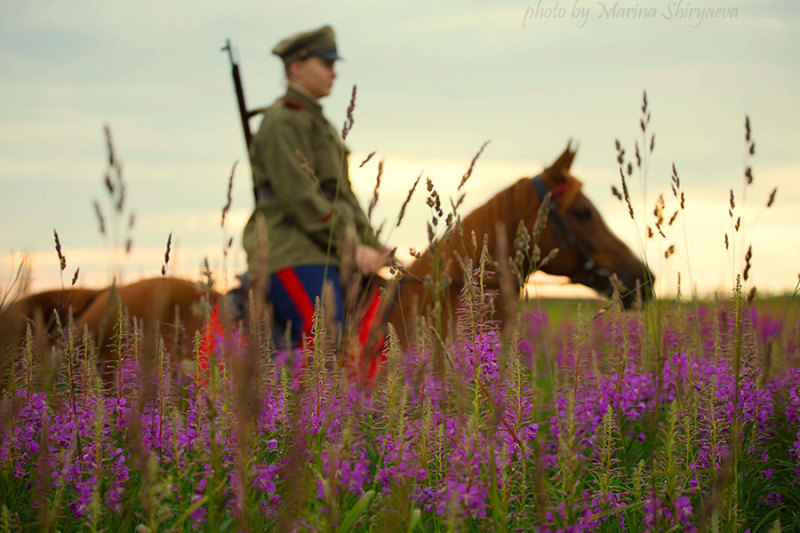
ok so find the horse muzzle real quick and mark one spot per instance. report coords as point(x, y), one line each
point(638, 288)
point(635, 287)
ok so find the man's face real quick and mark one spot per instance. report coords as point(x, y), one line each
point(314, 75)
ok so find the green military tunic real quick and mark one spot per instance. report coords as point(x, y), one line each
point(305, 210)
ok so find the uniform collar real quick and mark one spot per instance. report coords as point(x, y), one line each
point(296, 94)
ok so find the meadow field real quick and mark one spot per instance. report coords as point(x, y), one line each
point(684, 416)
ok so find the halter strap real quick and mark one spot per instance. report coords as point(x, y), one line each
point(564, 237)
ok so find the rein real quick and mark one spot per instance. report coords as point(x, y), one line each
point(565, 238)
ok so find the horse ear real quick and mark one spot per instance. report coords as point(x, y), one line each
point(562, 165)
point(564, 161)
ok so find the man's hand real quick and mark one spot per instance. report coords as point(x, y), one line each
point(369, 259)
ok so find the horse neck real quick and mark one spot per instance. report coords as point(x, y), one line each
point(504, 210)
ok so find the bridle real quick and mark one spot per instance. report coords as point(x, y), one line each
point(566, 239)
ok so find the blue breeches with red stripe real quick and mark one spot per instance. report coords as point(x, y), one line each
point(293, 292)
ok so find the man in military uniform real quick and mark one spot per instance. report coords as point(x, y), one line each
point(303, 192)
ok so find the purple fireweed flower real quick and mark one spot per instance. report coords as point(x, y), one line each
point(120, 475)
point(397, 464)
point(351, 472)
point(463, 484)
point(26, 432)
point(117, 409)
point(594, 504)
point(683, 510)
point(516, 429)
point(537, 321)
point(83, 489)
point(655, 512)
point(766, 327)
point(772, 498)
point(525, 349)
point(355, 474)
point(478, 357)
point(426, 498)
point(471, 497)
point(265, 476)
point(198, 516)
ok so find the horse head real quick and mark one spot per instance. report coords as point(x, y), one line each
point(588, 251)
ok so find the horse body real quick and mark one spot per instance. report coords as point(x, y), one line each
point(15, 317)
point(165, 305)
point(591, 257)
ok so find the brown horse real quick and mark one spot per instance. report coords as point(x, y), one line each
point(166, 305)
point(588, 253)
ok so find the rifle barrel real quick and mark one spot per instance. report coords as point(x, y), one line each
point(244, 114)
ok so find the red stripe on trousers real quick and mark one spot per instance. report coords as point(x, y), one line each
point(374, 353)
point(369, 317)
point(297, 293)
point(207, 345)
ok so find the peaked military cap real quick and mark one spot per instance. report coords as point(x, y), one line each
point(320, 42)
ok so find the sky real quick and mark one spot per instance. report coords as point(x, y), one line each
point(435, 80)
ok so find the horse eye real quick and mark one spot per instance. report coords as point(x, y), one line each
point(583, 214)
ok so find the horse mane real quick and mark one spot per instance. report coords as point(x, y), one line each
point(517, 203)
point(505, 209)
